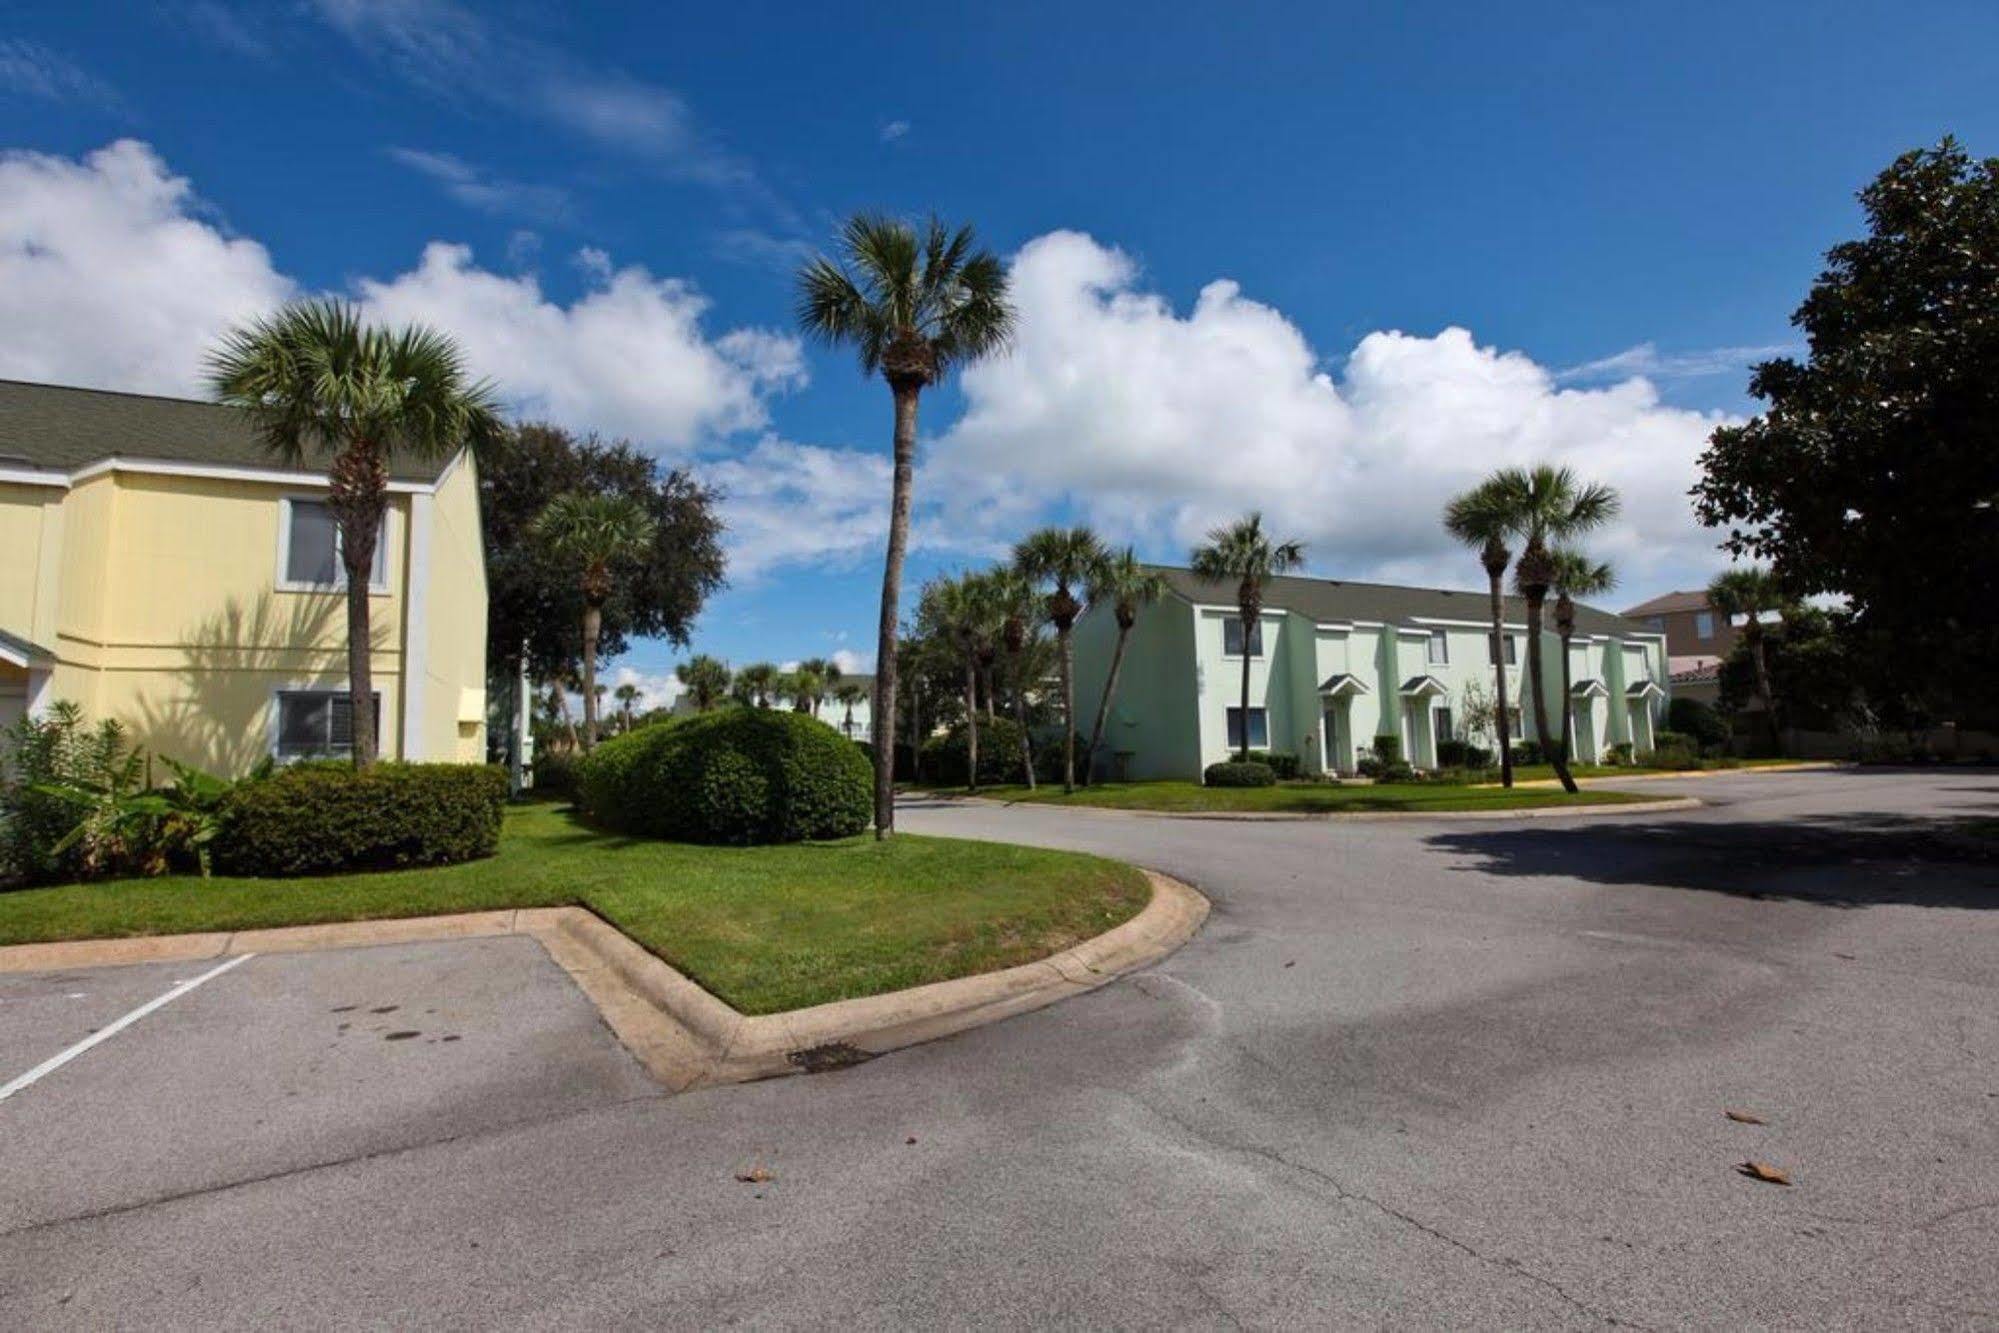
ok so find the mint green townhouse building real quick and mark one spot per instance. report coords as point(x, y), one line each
point(1335, 664)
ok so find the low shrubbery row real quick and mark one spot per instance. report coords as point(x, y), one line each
point(1237, 773)
point(329, 817)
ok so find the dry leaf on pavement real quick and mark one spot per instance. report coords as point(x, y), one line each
point(1745, 1117)
point(756, 1175)
point(1764, 1171)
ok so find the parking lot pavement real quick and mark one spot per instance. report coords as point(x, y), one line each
point(283, 1062)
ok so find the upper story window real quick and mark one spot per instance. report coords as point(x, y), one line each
point(1657, 623)
point(311, 554)
point(1495, 644)
point(1440, 648)
point(1704, 624)
point(1232, 637)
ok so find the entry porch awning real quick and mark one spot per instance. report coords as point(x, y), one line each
point(1588, 689)
point(19, 652)
point(1643, 689)
point(1424, 687)
point(1342, 685)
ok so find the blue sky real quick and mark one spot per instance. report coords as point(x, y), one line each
point(1331, 260)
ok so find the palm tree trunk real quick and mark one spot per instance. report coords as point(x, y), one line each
point(1763, 693)
point(1104, 707)
point(1020, 720)
point(1568, 704)
point(1242, 752)
point(1538, 678)
point(593, 626)
point(906, 395)
point(357, 495)
point(971, 723)
point(1505, 723)
point(1068, 714)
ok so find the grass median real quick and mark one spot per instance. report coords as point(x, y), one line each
point(1304, 798)
point(764, 928)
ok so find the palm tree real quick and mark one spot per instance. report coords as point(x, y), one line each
point(803, 687)
point(1243, 552)
point(914, 308)
point(950, 609)
point(1020, 614)
point(706, 680)
point(1749, 592)
point(628, 697)
point(1067, 560)
point(848, 694)
point(1482, 518)
point(822, 676)
point(1128, 587)
point(1547, 505)
point(596, 534)
point(753, 683)
point(1575, 576)
point(318, 383)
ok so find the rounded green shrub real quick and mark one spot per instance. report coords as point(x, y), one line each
point(946, 758)
point(740, 775)
point(327, 818)
point(1234, 773)
point(1700, 720)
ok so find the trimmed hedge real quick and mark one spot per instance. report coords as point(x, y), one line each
point(1235, 773)
point(945, 758)
point(1285, 766)
point(328, 818)
point(740, 775)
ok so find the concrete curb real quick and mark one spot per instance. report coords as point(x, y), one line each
point(684, 1036)
point(1330, 816)
point(1799, 766)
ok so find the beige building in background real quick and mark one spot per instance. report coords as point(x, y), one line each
point(160, 567)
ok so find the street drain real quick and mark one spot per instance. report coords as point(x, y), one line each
point(833, 1055)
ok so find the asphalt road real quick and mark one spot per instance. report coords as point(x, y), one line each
point(1411, 1072)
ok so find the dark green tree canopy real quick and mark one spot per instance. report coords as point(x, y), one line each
point(535, 597)
point(1874, 471)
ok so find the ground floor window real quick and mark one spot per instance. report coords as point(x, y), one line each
point(1442, 717)
point(1259, 729)
point(319, 724)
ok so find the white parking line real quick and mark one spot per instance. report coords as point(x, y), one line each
point(57, 1061)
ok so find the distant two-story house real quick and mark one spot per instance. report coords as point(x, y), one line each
point(1698, 640)
point(1335, 664)
point(160, 567)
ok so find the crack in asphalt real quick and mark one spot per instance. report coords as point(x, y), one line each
point(307, 1168)
point(1345, 1194)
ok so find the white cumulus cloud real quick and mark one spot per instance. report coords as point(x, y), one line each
point(1158, 424)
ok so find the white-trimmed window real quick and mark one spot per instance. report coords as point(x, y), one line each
point(1442, 718)
point(1495, 643)
point(1232, 637)
point(309, 549)
point(1259, 729)
point(318, 724)
point(1440, 648)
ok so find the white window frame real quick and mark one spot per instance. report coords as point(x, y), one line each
point(285, 583)
point(1257, 632)
point(278, 722)
point(1437, 651)
point(1254, 710)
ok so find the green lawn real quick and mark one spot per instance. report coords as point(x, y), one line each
point(1301, 797)
point(764, 928)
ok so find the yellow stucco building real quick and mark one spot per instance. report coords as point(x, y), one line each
point(159, 566)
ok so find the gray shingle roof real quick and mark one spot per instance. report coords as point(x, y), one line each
point(1335, 600)
point(60, 428)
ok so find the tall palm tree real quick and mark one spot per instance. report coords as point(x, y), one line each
point(1576, 575)
point(848, 694)
point(319, 383)
point(914, 308)
point(1482, 518)
point(1128, 587)
point(821, 675)
point(628, 697)
point(753, 683)
point(1548, 505)
point(596, 534)
point(706, 680)
point(1020, 616)
point(804, 686)
point(1749, 592)
point(1243, 552)
point(1066, 561)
